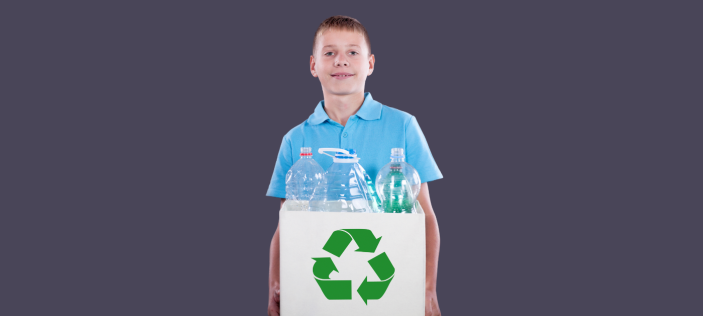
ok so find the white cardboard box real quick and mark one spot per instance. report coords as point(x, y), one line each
point(398, 262)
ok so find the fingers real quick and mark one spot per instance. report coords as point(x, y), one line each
point(432, 307)
point(274, 312)
point(274, 308)
point(435, 308)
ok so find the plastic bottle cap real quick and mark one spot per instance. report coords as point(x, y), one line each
point(341, 155)
point(305, 151)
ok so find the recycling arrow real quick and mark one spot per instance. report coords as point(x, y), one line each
point(385, 271)
point(341, 289)
point(336, 289)
point(373, 290)
point(333, 289)
point(382, 266)
point(323, 267)
point(340, 239)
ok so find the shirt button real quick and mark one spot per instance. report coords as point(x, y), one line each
point(345, 134)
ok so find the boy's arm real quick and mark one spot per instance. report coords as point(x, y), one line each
point(274, 308)
point(432, 251)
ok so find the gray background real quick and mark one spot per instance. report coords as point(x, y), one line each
point(138, 141)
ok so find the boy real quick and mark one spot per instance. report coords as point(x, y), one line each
point(350, 118)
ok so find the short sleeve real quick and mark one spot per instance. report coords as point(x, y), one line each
point(277, 187)
point(418, 152)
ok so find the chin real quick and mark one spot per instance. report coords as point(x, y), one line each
point(342, 91)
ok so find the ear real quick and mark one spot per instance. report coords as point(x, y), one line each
point(372, 62)
point(312, 66)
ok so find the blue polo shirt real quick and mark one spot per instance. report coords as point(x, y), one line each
point(372, 132)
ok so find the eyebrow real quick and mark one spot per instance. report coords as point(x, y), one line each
point(352, 45)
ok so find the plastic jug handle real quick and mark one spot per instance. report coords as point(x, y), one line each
point(323, 151)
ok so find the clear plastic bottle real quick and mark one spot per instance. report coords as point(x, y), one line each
point(398, 184)
point(346, 189)
point(374, 201)
point(302, 179)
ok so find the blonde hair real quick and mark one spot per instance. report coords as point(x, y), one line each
point(341, 22)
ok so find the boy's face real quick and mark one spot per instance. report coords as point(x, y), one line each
point(340, 52)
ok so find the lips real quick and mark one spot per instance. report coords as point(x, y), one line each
point(342, 75)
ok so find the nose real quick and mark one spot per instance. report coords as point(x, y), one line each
point(341, 61)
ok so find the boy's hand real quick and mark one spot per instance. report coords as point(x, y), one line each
point(431, 305)
point(275, 301)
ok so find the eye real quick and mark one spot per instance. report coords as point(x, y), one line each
point(328, 53)
point(355, 53)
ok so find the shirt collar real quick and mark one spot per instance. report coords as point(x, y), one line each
point(370, 110)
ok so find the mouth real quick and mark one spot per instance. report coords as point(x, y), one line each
point(342, 76)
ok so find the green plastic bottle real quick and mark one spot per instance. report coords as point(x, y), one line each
point(398, 192)
point(398, 184)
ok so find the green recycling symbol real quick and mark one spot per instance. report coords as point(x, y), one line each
point(342, 289)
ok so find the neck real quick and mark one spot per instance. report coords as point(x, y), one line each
point(341, 107)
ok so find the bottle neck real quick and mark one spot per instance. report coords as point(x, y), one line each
point(396, 167)
point(402, 159)
point(305, 156)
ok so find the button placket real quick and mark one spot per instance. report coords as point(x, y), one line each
point(345, 140)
